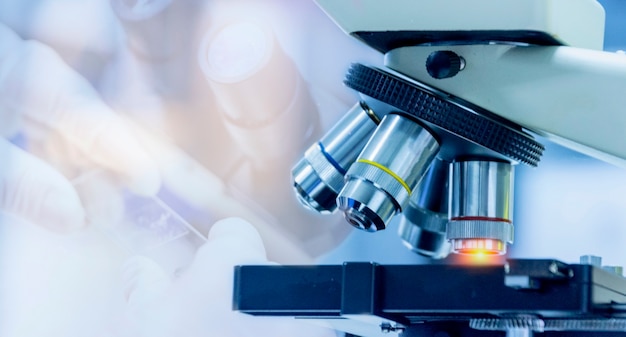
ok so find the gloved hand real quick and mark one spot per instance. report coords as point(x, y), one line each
point(51, 104)
point(198, 302)
point(82, 284)
point(242, 75)
point(59, 116)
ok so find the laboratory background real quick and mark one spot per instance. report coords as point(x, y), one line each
point(147, 148)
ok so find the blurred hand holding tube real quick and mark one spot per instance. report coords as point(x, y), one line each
point(380, 182)
point(270, 114)
point(267, 122)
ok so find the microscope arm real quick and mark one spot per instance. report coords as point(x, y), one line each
point(385, 25)
point(575, 97)
point(516, 62)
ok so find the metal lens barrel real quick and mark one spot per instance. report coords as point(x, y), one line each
point(319, 176)
point(481, 209)
point(424, 220)
point(380, 182)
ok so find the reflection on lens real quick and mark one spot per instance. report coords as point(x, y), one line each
point(319, 176)
point(380, 182)
point(481, 207)
point(424, 220)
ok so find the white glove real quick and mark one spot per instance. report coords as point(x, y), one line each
point(35, 192)
point(62, 119)
point(198, 303)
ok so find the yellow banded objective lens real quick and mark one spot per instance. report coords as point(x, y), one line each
point(380, 182)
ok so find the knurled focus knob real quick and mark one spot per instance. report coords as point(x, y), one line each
point(444, 64)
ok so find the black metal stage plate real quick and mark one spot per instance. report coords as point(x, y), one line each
point(423, 299)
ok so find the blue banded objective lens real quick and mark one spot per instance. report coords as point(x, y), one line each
point(319, 176)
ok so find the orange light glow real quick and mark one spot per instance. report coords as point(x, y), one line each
point(479, 251)
point(479, 247)
point(480, 259)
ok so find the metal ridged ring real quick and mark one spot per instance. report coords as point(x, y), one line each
point(483, 229)
point(453, 115)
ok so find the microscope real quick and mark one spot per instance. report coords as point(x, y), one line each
point(466, 91)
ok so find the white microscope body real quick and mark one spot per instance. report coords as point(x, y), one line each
point(465, 88)
point(537, 63)
point(473, 81)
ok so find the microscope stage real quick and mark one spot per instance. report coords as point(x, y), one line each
point(539, 295)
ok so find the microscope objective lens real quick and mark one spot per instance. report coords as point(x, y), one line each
point(481, 207)
point(379, 183)
point(319, 176)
